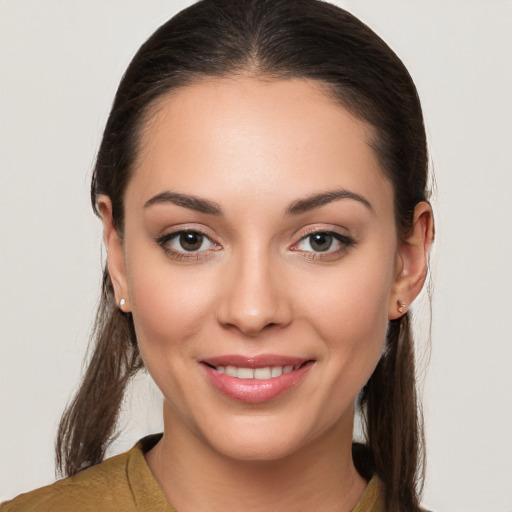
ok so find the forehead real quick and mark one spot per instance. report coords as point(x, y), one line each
point(277, 139)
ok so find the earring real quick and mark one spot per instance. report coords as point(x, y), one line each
point(122, 302)
point(400, 306)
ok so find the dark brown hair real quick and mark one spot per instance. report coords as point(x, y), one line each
point(274, 39)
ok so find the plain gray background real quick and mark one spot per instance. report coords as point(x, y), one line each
point(60, 63)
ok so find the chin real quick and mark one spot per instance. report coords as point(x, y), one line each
point(257, 450)
point(265, 439)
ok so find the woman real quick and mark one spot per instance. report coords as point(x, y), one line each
point(262, 183)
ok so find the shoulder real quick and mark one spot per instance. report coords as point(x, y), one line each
point(372, 499)
point(102, 487)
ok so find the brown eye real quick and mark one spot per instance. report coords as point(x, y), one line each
point(320, 242)
point(324, 245)
point(187, 244)
point(191, 241)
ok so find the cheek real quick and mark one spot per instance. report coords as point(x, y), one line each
point(169, 306)
point(169, 312)
point(350, 313)
point(354, 299)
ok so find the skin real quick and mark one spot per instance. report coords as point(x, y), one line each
point(258, 286)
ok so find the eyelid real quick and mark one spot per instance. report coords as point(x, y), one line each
point(345, 240)
point(330, 229)
point(169, 231)
point(168, 236)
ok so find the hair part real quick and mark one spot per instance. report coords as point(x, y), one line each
point(269, 39)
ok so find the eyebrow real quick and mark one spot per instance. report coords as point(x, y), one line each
point(187, 201)
point(317, 200)
point(294, 208)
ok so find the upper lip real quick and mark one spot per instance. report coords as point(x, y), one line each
point(256, 361)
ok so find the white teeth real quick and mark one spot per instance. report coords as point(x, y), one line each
point(231, 371)
point(245, 373)
point(263, 373)
point(277, 371)
point(267, 372)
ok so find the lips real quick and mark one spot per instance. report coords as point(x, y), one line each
point(255, 379)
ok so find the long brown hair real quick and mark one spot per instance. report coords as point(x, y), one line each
point(278, 39)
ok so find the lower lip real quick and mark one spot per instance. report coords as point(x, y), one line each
point(255, 391)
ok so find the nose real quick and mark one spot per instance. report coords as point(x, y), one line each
point(253, 295)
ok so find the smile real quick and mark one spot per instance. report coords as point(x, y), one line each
point(255, 380)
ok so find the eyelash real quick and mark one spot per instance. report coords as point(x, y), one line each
point(345, 241)
point(163, 241)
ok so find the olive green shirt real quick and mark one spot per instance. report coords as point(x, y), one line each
point(124, 483)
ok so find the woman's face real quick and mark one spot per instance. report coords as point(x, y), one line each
point(260, 263)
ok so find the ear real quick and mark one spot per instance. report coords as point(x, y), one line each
point(412, 261)
point(115, 254)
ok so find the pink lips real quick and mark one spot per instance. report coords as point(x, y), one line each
point(252, 390)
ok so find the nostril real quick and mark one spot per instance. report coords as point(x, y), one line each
point(252, 313)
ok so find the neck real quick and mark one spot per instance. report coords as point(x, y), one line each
point(194, 476)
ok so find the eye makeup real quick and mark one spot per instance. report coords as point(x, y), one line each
point(187, 244)
point(323, 244)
